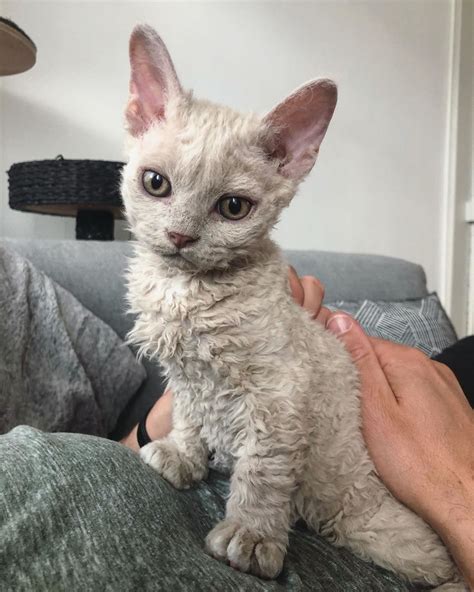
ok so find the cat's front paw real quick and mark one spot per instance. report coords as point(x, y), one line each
point(245, 550)
point(178, 469)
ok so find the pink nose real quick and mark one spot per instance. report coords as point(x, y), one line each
point(180, 240)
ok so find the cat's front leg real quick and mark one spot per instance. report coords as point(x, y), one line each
point(181, 457)
point(254, 534)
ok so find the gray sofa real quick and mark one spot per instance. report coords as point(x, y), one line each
point(94, 273)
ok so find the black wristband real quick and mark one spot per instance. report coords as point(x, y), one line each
point(142, 435)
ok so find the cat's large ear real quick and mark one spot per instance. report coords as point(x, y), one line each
point(153, 80)
point(300, 122)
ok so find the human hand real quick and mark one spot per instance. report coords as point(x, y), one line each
point(416, 418)
point(419, 430)
point(308, 292)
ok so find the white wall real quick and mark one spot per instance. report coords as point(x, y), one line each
point(459, 159)
point(378, 186)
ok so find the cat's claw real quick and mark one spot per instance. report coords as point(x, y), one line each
point(178, 470)
point(245, 550)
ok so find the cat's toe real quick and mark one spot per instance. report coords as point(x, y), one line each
point(165, 458)
point(246, 550)
point(218, 539)
point(267, 559)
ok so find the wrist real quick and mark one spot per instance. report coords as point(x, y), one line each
point(131, 440)
point(456, 533)
point(453, 505)
point(158, 422)
point(453, 519)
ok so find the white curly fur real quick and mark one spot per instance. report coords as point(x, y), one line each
point(255, 380)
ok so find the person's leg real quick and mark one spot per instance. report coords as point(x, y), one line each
point(84, 513)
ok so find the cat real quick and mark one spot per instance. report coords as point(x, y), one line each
point(270, 392)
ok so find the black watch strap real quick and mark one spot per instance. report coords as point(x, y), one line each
point(142, 435)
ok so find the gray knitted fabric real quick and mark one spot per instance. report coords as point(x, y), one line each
point(61, 368)
point(80, 513)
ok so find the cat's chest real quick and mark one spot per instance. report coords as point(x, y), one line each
point(221, 413)
point(187, 323)
point(197, 336)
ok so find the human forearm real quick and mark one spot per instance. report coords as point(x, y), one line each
point(419, 430)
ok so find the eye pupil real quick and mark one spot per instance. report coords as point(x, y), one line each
point(156, 181)
point(235, 205)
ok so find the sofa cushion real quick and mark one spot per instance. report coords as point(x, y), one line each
point(420, 323)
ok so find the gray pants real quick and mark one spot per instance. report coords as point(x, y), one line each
point(84, 513)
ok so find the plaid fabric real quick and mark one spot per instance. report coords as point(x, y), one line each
point(420, 323)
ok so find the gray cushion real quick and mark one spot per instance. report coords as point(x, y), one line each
point(357, 277)
point(420, 323)
point(93, 272)
point(61, 368)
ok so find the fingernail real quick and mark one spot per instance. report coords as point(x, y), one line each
point(339, 324)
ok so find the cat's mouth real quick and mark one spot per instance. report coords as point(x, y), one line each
point(187, 260)
point(179, 259)
point(171, 255)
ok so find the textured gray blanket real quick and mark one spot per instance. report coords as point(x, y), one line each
point(61, 368)
point(84, 514)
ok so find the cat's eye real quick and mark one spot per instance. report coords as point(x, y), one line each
point(233, 207)
point(156, 184)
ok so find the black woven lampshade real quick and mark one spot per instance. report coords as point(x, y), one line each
point(88, 190)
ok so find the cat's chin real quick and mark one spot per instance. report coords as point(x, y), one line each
point(185, 262)
point(176, 260)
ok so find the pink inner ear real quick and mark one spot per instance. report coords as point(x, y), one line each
point(301, 121)
point(153, 79)
point(148, 88)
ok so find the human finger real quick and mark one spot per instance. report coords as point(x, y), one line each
point(296, 287)
point(313, 291)
point(323, 315)
point(375, 388)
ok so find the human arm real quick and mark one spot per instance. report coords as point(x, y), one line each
point(417, 424)
point(419, 430)
point(158, 422)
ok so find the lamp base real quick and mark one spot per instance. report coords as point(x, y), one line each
point(94, 225)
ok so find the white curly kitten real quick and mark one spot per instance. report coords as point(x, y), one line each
point(272, 394)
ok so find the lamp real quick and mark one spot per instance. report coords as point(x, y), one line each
point(17, 50)
point(88, 190)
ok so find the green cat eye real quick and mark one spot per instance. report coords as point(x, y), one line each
point(233, 208)
point(156, 184)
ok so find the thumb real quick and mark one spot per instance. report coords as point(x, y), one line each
point(351, 334)
point(373, 380)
